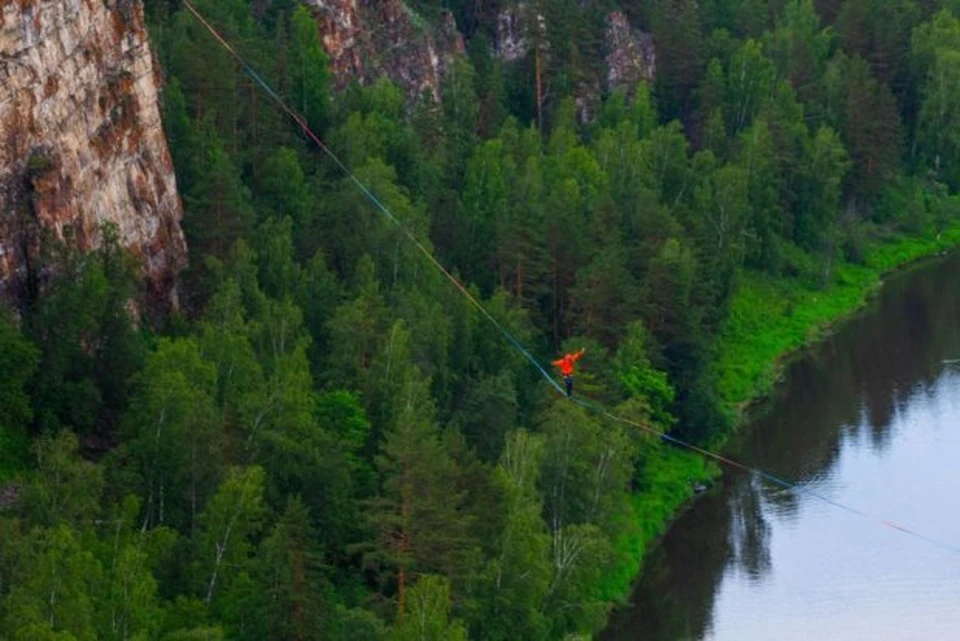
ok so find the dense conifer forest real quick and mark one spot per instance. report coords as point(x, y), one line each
point(328, 441)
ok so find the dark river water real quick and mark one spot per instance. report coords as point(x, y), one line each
point(871, 419)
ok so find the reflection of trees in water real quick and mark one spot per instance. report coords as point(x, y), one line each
point(675, 596)
point(853, 386)
point(900, 353)
point(859, 380)
point(749, 530)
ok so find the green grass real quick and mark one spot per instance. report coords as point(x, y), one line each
point(771, 319)
point(668, 478)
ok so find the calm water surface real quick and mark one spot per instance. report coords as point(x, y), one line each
point(870, 419)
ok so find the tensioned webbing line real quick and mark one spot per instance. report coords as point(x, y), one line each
point(593, 407)
point(302, 123)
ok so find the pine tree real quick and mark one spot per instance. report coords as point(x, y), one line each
point(18, 359)
point(84, 326)
point(514, 583)
point(873, 140)
point(605, 295)
point(677, 28)
point(283, 190)
point(485, 198)
point(309, 70)
point(799, 48)
point(417, 515)
point(294, 594)
point(217, 211)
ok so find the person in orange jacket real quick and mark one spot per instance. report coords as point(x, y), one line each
point(566, 368)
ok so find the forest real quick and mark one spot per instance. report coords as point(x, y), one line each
point(327, 440)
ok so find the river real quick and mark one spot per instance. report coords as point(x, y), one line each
point(871, 419)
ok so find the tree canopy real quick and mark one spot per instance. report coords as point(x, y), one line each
point(329, 441)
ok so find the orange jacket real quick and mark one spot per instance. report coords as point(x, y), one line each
point(566, 363)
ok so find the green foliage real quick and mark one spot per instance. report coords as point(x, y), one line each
point(333, 442)
point(873, 141)
point(64, 489)
point(640, 380)
point(224, 539)
point(936, 47)
point(516, 578)
point(18, 359)
point(341, 413)
point(678, 31)
point(175, 443)
point(586, 467)
point(283, 189)
point(14, 450)
point(129, 602)
point(217, 210)
point(309, 71)
point(429, 616)
point(51, 598)
point(820, 201)
point(294, 595)
point(417, 514)
point(489, 411)
point(90, 349)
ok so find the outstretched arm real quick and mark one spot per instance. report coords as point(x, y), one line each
point(576, 357)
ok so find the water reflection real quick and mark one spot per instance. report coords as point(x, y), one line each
point(843, 399)
point(749, 531)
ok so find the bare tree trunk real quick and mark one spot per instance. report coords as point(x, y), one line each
point(539, 90)
point(221, 548)
point(404, 548)
point(298, 583)
point(519, 279)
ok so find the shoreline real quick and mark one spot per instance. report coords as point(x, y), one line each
point(804, 318)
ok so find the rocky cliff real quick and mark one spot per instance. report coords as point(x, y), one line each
point(631, 54)
point(81, 142)
point(365, 40)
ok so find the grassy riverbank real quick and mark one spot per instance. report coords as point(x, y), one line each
point(771, 319)
point(668, 477)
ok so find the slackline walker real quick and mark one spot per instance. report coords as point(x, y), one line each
point(592, 407)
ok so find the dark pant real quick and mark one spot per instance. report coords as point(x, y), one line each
point(569, 381)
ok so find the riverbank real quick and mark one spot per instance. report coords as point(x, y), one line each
point(771, 321)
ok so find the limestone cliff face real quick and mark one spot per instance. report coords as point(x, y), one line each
point(366, 39)
point(81, 142)
point(631, 56)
